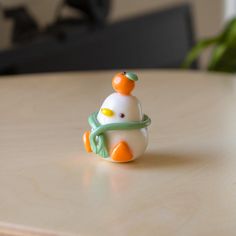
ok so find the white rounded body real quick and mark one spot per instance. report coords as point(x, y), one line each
point(136, 139)
point(129, 106)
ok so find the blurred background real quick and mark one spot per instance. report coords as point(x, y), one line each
point(66, 35)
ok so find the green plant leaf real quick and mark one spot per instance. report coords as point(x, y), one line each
point(197, 50)
point(226, 62)
point(216, 56)
point(223, 56)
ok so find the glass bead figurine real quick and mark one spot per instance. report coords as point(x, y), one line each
point(119, 129)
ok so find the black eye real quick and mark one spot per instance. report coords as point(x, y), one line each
point(124, 73)
point(122, 115)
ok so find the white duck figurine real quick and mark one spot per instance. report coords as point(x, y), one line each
point(119, 130)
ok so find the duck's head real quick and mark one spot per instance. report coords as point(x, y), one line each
point(118, 108)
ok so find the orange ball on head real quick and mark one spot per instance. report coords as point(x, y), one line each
point(123, 83)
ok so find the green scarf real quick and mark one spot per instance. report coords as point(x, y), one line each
point(97, 137)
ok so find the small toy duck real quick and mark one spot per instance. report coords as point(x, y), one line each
point(119, 129)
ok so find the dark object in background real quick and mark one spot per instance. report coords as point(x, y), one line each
point(157, 40)
point(94, 15)
point(24, 25)
point(96, 10)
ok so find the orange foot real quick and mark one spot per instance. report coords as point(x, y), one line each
point(121, 152)
point(86, 141)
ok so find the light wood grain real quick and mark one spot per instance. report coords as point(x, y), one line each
point(185, 184)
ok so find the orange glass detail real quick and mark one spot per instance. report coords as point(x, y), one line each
point(121, 153)
point(122, 84)
point(86, 141)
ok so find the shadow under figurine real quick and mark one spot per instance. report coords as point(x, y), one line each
point(119, 129)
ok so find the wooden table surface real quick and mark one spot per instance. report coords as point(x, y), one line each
point(185, 183)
